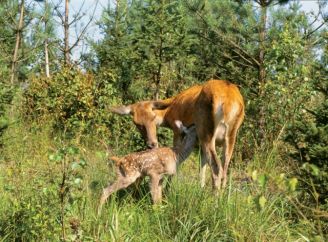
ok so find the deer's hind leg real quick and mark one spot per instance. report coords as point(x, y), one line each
point(120, 183)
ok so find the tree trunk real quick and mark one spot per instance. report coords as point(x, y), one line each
point(46, 55)
point(261, 68)
point(18, 40)
point(159, 71)
point(66, 35)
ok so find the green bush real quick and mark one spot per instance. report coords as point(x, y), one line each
point(68, 98)
point(6, 96)
point(76, 103)
point(309, 137)
point(33, 217)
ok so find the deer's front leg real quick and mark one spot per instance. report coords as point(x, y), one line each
point(156, 188)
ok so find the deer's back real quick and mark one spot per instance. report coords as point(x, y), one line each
point(159, 160)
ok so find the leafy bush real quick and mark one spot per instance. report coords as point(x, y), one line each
point(309, 136)
point(68, 97)
point(42, 208)
point(6, 96)
point(76, 103)
point(32, 217)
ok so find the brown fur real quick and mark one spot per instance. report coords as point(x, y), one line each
point(154, 163)
point(217, 110)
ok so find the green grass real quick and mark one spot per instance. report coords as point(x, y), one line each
point(30, 205)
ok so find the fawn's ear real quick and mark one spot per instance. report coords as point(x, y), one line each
point(116, 160)
point(180, 126)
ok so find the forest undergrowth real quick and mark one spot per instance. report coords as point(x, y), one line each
point(51, 186)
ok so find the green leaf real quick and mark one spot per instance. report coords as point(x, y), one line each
point(72, 150)
point(51, 157)
point(250, 199)
point(78, 181)
point(262, 180)
point(75, 165)
point(58, 157)
point(55, 157)
point(254, 175)
point(262, 201)
point(83, 162)
point(315, 170)
point(292, 183)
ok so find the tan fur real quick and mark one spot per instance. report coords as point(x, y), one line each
point(116, 160)
point(154, 163)
point(217, 110)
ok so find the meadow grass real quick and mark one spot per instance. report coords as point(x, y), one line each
point(31, 206)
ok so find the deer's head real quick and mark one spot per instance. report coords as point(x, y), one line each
point(144, 117)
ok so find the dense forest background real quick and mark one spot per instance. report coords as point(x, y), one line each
point(56, 132)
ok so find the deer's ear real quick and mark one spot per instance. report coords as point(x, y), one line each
point(121, 110)
point(162, 104)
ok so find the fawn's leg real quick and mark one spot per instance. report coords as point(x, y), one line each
point(156, 188)
point(121, 182)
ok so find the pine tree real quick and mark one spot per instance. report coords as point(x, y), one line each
point(44, 41)
point(161, 40)
point(148, 46)
point(252, 43)
point(309, 135)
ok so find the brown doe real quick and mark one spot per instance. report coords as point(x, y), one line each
point(154, 163)
point(217, 110)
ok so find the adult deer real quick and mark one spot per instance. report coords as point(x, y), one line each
point(217, 110)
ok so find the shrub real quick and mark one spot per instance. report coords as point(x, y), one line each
point(6, 96)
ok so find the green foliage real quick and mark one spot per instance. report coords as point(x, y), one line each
point(69, 98)
point(76, 103)
point(7, 34)
point(6, 96)
point(42, 208)
point(309, 136)
point(31, 217)
point(148, 46)
point(247, 210)
point(151, 49)
point(289, 68)
point(9, 15)
point(43, 28)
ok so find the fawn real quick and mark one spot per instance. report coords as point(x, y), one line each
point(154, 163)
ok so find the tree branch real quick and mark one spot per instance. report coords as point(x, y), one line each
point(245, 56)
point(84, 29)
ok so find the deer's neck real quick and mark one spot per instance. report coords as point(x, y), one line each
point(160, 114)
point(184, 149)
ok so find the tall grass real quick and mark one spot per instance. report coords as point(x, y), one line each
point(30, 204)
